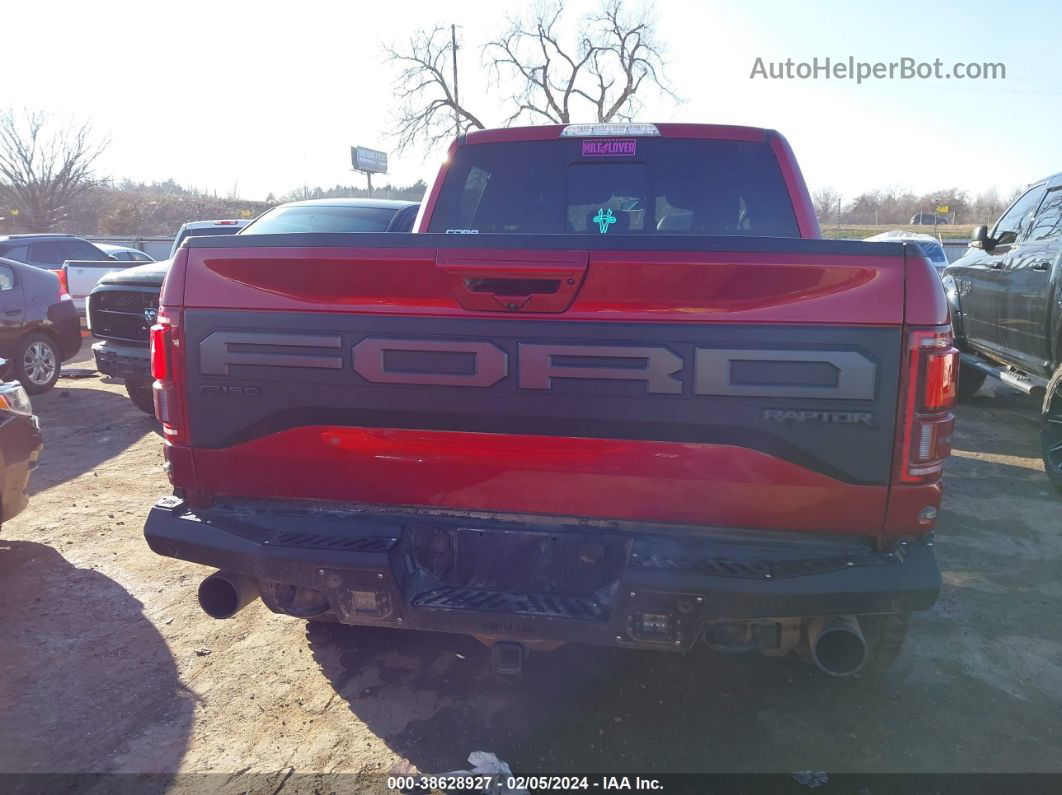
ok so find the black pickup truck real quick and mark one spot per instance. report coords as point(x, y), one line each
point(1006, 303)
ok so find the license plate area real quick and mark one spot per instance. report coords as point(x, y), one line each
point(559, 574)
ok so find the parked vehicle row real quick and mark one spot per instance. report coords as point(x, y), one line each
point(76, 261)
point(39, 326)
point(124, 304)
point(49, 251)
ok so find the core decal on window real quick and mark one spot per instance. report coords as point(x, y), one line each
point(613, 147)
point(604, 219)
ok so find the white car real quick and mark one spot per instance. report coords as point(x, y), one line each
point(124, 253)
point(930, 245)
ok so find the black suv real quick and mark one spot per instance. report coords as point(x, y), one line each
point(1006, 303)
point(48, 251)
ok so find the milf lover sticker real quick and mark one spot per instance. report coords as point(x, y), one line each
point(610, 147)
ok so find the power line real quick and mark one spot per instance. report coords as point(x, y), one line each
point(457, 103)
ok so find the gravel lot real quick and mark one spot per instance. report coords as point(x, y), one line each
point(109, 665)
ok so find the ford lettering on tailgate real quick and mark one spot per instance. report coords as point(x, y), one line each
point(810, 394)
point(841, 375)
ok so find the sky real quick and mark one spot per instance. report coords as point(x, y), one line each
point(266, 97)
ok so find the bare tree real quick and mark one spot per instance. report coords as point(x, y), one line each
point(827, 203)
point(428, 104)
point(45, 164)
point(988, 206)
point(598, 76)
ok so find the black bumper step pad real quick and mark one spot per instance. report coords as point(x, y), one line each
point(760, 569)
point(343, 543)
point(489, 601)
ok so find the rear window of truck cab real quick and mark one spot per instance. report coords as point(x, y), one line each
point(637, 186)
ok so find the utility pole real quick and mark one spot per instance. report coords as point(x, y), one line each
point(457, 114)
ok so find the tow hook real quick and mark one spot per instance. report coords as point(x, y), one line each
point(508, 658)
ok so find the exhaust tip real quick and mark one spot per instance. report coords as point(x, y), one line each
point(223, 595)
point(837, 645)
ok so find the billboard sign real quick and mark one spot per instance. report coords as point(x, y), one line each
point(368, 160)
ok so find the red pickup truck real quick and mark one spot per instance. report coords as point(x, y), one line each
point(615, 390)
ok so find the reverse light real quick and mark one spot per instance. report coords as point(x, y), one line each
point(609, 129)
point(162, 394)
point(653, 627)
point(656, 623)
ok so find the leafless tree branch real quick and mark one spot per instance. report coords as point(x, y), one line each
point(613, 58)
point(427, 104)
point(45, 164)
point(599, 73)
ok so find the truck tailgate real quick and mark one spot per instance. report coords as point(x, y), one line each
point(743, 382)
point(83, 275)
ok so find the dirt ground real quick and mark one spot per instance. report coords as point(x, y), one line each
point(107, 663)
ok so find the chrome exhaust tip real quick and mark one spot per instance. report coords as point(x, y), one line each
point(837, 645)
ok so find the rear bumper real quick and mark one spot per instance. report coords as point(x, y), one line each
point(539, 581)
point(130, 362)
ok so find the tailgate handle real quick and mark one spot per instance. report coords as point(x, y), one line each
point(514, 281)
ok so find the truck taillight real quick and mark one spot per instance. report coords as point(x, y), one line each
point(941, 379)
point(160, 351)
point(928, 424)
point(167, 371)
point(64, 287)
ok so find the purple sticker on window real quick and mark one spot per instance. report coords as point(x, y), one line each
point(610, 147)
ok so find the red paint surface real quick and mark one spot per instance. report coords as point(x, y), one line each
point(602, 478)
point(906, 503)
point(925, 302)
point(746, 287)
